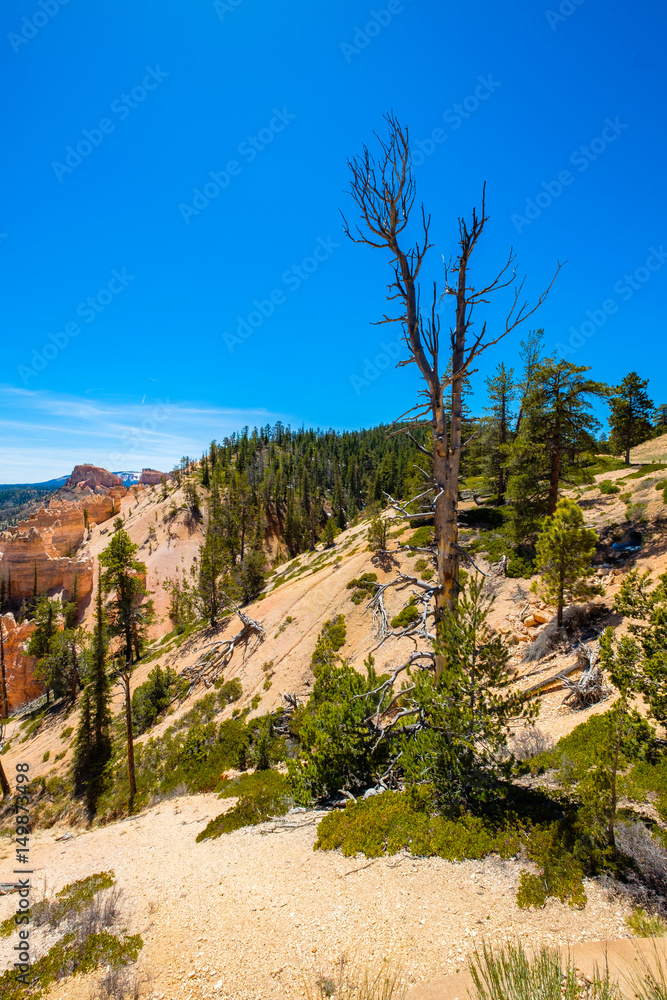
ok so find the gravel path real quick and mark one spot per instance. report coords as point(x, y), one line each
point(258, 914)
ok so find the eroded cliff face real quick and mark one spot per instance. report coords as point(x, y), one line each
point(49, 541)
point(19, 668)
point(50, 545)
point(93, 476)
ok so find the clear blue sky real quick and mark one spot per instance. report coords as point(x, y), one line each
point(273, 98)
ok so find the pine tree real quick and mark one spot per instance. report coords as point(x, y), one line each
point(530, 353)
point(83, 750)
point(465, 714)
point(100, 691)
point(496, 429)
point(564, 552)
point(46, 613)
point(660, 421)
point(556, 431)
point(329, 534)
point(631, 411)
point(129, 616)
point(71, 607)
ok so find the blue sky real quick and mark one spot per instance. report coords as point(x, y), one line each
point(174, 176)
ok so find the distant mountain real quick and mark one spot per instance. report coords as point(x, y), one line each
point(129, 479)
point(48, 486)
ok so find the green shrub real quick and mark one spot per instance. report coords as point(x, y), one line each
point(607, 486)
point(70, 957)
point(152, 699)
point(363, 587)
point(646, 925)
point(337, 748)
point(575, 754)
point(230, 691)
point(647, 470)
point(261, 796)
point(561, 874)
point(520, 568)
point(394, 821)
point(46, 756)
point(421, 538)
point(407, 616)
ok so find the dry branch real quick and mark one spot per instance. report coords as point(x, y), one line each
point(208, 667)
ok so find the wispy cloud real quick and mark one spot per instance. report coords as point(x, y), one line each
point(44, 434)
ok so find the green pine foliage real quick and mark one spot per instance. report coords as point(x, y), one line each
point(630, 416)
point(565, 548)
point(460, 747)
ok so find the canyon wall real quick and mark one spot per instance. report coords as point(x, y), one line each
point(19, 668)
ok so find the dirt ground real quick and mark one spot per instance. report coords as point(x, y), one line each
point(257, 913)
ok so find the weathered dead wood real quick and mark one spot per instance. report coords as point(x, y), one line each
point(210, 666)
point(589, 689)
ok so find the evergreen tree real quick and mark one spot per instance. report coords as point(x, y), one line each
point(71, 607)
point(564, 552)
point(100, 688)
point(631, 411)
point(249, 576)
point(329, 534)
point(460, 746)
point(496, 433)
point(645, 645)
point(378, 531)
point(660, 420)
point(530, 353)
point(212, 565)
point(556, 431)
point(129, 616)
point(83, 750)
point(47, 613)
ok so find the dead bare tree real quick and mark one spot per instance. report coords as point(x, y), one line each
point(218, 654)
point(385, 193)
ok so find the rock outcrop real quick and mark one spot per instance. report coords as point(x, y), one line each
point(19, 668)
point(29, 551)
point(150, 477)
point(93, 476)
point(47, 542)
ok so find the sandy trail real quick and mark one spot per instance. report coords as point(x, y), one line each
point(257, 913)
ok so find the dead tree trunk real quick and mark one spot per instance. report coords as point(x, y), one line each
point(384, 191)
